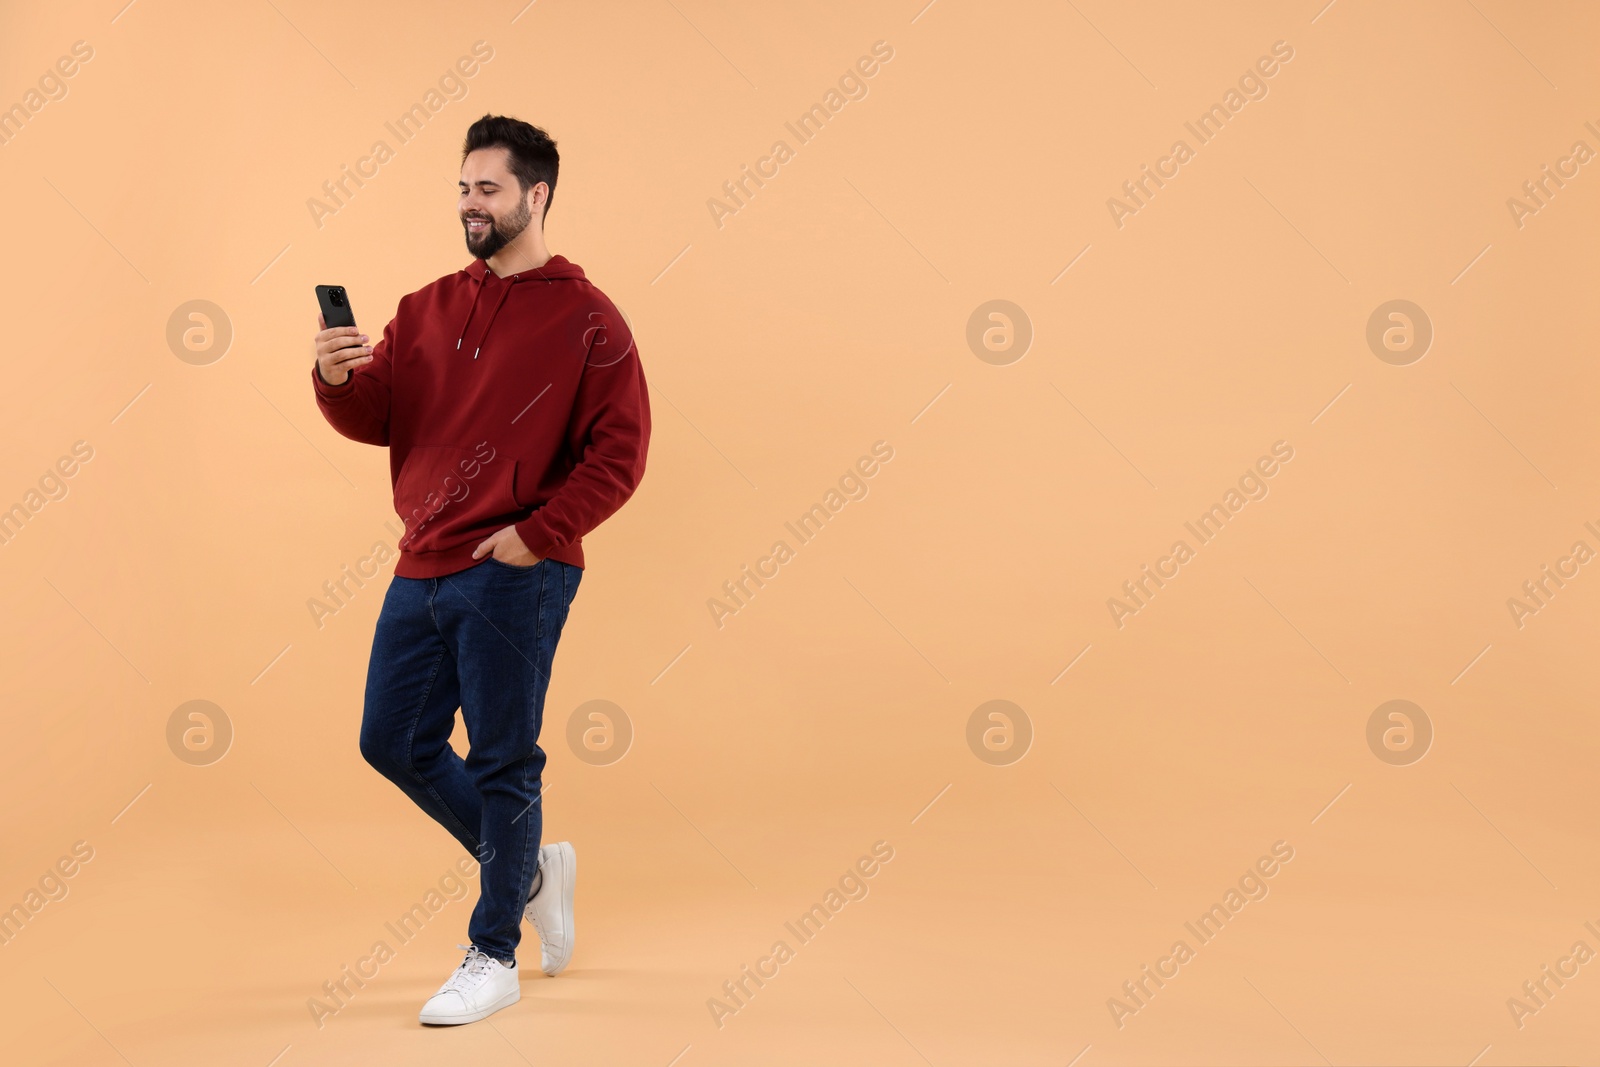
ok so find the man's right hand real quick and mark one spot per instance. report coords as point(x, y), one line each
point(339, 350)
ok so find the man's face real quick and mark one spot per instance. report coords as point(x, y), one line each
point(494, 210)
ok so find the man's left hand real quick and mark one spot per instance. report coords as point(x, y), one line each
point(505, 546)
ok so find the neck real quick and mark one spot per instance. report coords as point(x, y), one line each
point(526, 253)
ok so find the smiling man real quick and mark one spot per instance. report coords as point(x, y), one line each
point(513, 404)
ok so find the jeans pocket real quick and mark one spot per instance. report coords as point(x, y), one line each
point(512, 566)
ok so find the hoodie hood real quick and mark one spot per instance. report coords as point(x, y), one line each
point(556, 269)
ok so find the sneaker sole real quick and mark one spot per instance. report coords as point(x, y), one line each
point(569, 880)
point(472, 1016)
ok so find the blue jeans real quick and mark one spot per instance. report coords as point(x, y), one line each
point(483, 640)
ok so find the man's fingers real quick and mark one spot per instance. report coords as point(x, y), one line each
point(341, 352)
point(486, 548)
point(345, 334)
point(341, 333)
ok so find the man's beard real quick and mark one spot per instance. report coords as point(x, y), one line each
point(500, 233)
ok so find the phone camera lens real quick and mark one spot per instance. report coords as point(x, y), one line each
point(337, 296)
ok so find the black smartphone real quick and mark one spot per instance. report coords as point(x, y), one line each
point(335, 306)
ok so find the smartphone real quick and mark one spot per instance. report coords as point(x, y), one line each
point(335, 306)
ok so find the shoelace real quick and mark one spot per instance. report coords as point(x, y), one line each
point(473, 970)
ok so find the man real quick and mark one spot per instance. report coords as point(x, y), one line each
point(513, 405)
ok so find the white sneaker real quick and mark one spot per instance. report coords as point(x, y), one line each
point(550, 909)
point(481, 986)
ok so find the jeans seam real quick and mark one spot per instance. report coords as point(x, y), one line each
point(538, 628)
point(525, 877)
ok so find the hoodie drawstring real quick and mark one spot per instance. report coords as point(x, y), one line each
point(470, 311)
point(506, 291)
point(492, 315)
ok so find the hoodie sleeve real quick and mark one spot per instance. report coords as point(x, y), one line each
point(359, 408)
point(608, 434)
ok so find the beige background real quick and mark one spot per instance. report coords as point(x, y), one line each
point(832, 712)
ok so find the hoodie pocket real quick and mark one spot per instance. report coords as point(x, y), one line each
point(447, 495)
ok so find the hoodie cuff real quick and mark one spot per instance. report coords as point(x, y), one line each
point(536, 535)
point(330, 391)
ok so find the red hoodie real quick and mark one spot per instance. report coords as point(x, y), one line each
point(503, 401)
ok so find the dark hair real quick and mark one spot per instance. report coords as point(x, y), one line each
point(533, 155)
